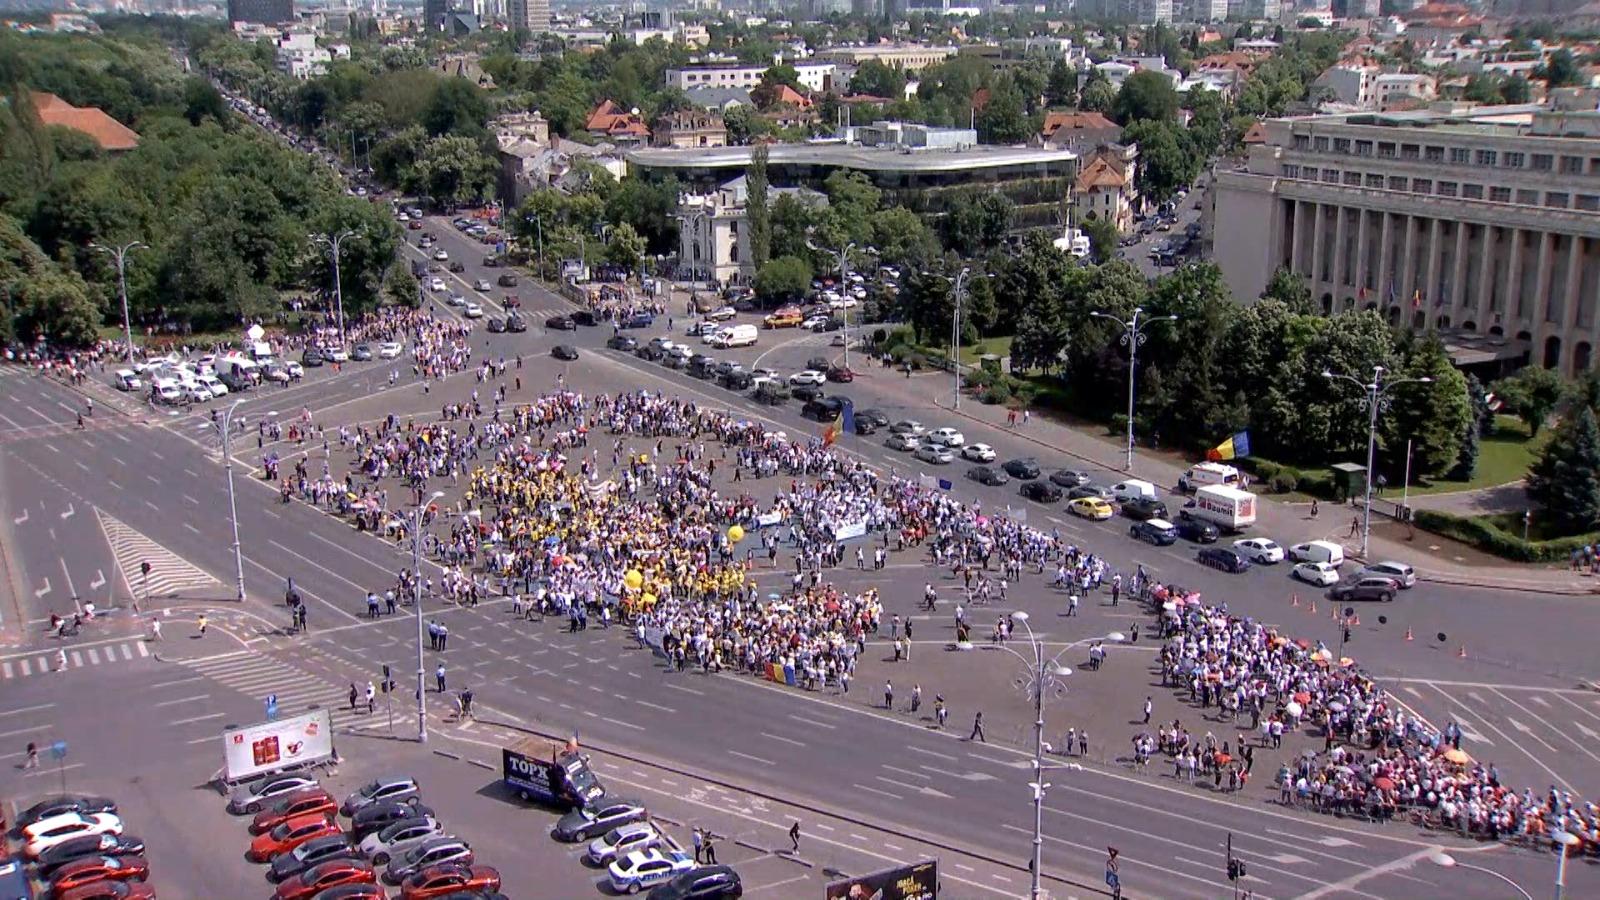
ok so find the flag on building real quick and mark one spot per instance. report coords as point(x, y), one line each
point(1236, 447)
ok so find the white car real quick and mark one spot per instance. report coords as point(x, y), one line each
point(722, 314)
point(194, 393)
point(481, 285)
point(948, 437)
point(278, 374)
point(903, 441)
point(934, 453)
point(441, 255)
point(809, 376)
point(436, 285)
point(213, 384)
point(473, 311)
point(647, 868)
point(842, 303)
point(1260, 550)
point(978, 453)
point(764, 372)
point(622, 840)
point(815, 323)
point(1318, 573)
point(390, 350)
point(393, 841)
point(295, 370)
point(337, 354)
point(47, 833)
point(456, 300)
point(1398, 572)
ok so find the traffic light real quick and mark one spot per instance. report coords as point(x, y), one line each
point(1236, 869)
point(144, 569)
point(388, 683)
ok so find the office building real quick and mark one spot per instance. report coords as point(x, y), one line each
point(433, 13)
point(1479, 221)
point(812, 76)
point(907, 57)
point(264, 12)
point(532, 16)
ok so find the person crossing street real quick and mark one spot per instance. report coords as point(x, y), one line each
point(977, 728)
point(438, 678)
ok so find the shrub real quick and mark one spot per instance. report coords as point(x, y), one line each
point(1118, 425)
point(978, 379)
point(1482, 533)
point(1282, 482)
point(999, 392)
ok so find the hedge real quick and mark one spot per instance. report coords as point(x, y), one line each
point(1483, 534)
point(1277, 478)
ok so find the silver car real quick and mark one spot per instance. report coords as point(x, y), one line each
point(934, 453)
point(430, 852)
point(251, 798)
point(394, 841)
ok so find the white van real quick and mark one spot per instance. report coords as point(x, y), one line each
point(737, 336)
point(1318, 551)
point(1133, 489)
point(1208, 473)
point(166, 390)
point(125, 380)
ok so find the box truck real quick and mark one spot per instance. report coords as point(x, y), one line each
point(550, 772)
point(1230, 509)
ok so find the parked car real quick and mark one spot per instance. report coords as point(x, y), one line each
point(300, 803)
point(429, 853)
point(1259, 550)
point(290, 835)
point(1144, 508)
point(647, 868)
point(1222, 558)
point(98, 868)
point(565, 352)
point(704, 883)
point(253, 797)
point(1370, 587)
point(1041, 491)
point(622, 840)
point(1399, 572)
point(987, 475)
point(311, 853)
point(389, 789)
point(451, 880)
point(1320, 574)
point(587, 823)
point(114, 890)
point(66, 803)
point(978, 453)
point(47, 833)
point(1069, 478)
point(1196, 529)
point(1159, 532)
point(106, 844)
point(379, 816)
point(1026, 468)
point(333, 873)
point(394, 840)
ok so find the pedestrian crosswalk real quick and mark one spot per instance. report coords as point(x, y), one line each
point(297, 690)
point(169, 572)
point(30, 664)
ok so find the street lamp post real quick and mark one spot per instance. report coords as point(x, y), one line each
point(955, 333)
point(416, 601)
point(224, 428)
point(844, 311)
point(538, 224)
point(1044, 674)
point(1132, 337)
point(334, 242)
point(120, 254)
point(1565, 841)
point(1377, 400)
point(1446, 861)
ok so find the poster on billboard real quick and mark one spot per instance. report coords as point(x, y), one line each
point(917, 881)
point(280, 744)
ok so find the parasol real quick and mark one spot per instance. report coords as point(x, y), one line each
point(1383, 783)
point(1302, 697)
point(1294, 709)
point(1457, 757)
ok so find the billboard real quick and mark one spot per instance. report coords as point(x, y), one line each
point(917, 881)
point(280, 744)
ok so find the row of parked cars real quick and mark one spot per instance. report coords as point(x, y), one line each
point(317, 847)
point(76, 848)
point(637, 855)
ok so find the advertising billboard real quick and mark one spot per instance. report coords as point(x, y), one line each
point(917, 881)
point(279, 744)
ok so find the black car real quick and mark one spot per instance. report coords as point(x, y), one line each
point(313, 852)
point(1069, 478)
point(1372, 587)
point(491, 261)
point(987, 475)
point(1195, 529)
point(560, 323)
point(877, 417)
point(703, 367)
point(497, 326)
point(1142, 508)
point(68, 803)
point(865, 426)
point(823, 409)
point(379, 816)
point(1090, 490)
point(674, 360)
point(564, 351)
point(311, 358)
point(638, 320)
point(1041, 491)
point(643, 351)
point(457, 266)
point(819, 363)
point(1223, 559)
point(622, 342)
point(507, 280)
point(1026, 469)
point(84, 846)
point(362, 353)
point(516, 324)
point(807, 392)
point(702, 883)
point(1155, 531)
point(771, 393)
point(737, 380)
point(586, 317)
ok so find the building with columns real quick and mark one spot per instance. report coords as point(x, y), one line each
point(1480, 222)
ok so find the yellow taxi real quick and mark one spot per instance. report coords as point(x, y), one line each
point(786, 317)
point(1091, 508)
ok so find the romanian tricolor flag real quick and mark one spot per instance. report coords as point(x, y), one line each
point(830, 434)
point(1235, 447)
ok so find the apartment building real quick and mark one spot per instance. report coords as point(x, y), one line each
point(1483, 221)
point(908, 57)
point(813, 76)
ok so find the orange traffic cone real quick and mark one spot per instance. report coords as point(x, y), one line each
point(1313, 606)
point(1355, 620)
point(1294, 601)
point(1461, 652)
point(1408, 635)
point(1334, 614)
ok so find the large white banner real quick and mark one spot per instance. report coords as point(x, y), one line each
point(269, 746)
point(850, 530)
point(769, 519)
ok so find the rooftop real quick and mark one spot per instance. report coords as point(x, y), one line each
point(851, 156)
point(106, 131)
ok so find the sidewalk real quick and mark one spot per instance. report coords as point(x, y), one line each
point(1435, 558)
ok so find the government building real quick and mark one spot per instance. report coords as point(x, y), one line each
point(1482, 223)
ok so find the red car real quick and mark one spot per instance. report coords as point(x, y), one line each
point(110, 890)
point(311, 801)
point(98, 868)
point(288, 836)
point(449, 878)
point(322, 876)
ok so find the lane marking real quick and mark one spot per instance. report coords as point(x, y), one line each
point(755, 759)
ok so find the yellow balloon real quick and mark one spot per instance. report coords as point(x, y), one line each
point(644, 458)
point(649, 599)
point(735, 533)
point(633, 579)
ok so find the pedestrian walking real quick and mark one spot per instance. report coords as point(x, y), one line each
point(372, 698)
point(977, 728)
point(1083, 742)
point(155, 629)
point(352, 696)
point(438, 677)
point(300, 616)
point(33, 756)
point(888, 695)
point(1072, 605)
point(794, 836)
point(202, 623)
point(1148, 706)
point(941, 713)
point(916, 698)
point(444, 636)
point(698, 852)
point(466, 703)
point(710, 849)
point(1355, 526)
point(61, 660)
point(372, 605)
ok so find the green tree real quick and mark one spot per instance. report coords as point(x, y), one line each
point(1482, 88)
point(456, 107)
point(202, 101)
point(977, 222)
point(1531, 395)
point(1061, 88)
point(650, 207)
point(1289, 289)
point(1560, 69)
point(902, 237)
point(878, 80)
point(451, 171)
point(792, 222)
point(1565, 481)
point(1102, 233)
point(852, 200)
point(1516, 90)
point(757, 212)
point(626, 247)
point(1431, 416)
point(1005, 119)
point(58, 307)
point(1146, 95)
point(1165, 161)
point(783, 280)
point(1466, 464)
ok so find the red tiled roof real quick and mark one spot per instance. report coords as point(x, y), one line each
point(1075, 121)
point(1256, 135)
point(1101, 174)
point(610, 119)
point(106, 131)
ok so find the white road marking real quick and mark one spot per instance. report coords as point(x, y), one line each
point(755, 759)
point(813, 722)
point(873, 790)
point(206, 717)
point(779, 737)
